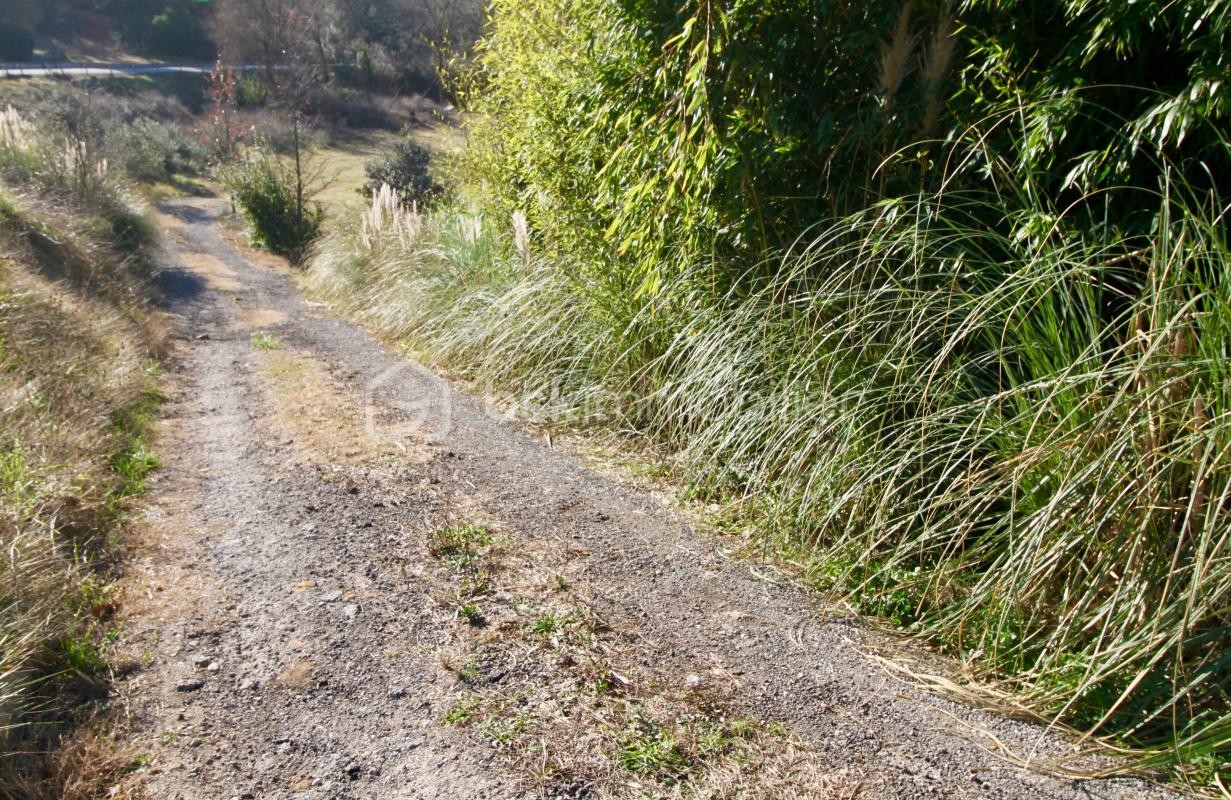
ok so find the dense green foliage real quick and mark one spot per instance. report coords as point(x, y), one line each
point(169, 28)
point(730, 128)
point(270, 194)
point(934, 295)
point(177, 32)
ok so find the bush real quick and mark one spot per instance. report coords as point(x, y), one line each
point(251, 92)
point(152, 151)
point(407, 170)
point(280, 214)
point(350, 108)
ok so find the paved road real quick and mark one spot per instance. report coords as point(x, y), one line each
point(100, 70)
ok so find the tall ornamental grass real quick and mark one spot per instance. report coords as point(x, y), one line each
point(1016, 445)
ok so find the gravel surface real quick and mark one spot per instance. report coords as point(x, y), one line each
point(278, 602)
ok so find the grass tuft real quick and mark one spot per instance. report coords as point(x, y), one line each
point(264, 340)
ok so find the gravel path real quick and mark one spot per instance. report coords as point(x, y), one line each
point(289, 641)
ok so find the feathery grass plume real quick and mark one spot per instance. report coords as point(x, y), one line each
point(15, 131)
point(521, 235)
point(937, 57)
point(471, 227)
point(386, 215)
point(896, 60)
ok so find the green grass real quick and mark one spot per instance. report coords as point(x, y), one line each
point(458, 537)
point(462, 546)
point(650, 751)
point(264, 340)
point(549, 625)
point(17, 483)
point(466, 707)
point(471, 613)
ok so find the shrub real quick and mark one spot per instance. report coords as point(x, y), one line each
point(274, 200)
point(251, 92)
point(351, 108)
point(406, 170)
point(148, 150)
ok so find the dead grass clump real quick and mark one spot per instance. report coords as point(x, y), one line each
point(87, 765)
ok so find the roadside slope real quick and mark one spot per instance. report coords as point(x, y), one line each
point(79, 341)
point(303, 635)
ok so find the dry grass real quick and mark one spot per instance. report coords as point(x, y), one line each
point(77, 339)
point(323, 420)
point(90, 763)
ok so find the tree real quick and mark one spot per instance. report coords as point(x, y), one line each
point(274, 34)
point(21, 14)
point(17, 21)
point(447, 27)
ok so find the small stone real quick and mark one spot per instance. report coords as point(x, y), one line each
point(350, 611)
point(190, 685)
point(200, 661)
point(331, 597)
point(692, 681)
point(202, 337)
point(397, 693)
point(249, 683)
point(354, 771)
point(213, 666)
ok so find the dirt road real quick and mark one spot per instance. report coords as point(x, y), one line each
point(354, 581)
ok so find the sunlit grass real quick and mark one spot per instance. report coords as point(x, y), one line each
point(1015, 447)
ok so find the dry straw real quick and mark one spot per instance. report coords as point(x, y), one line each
point(14, 130)
point(387, 217)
